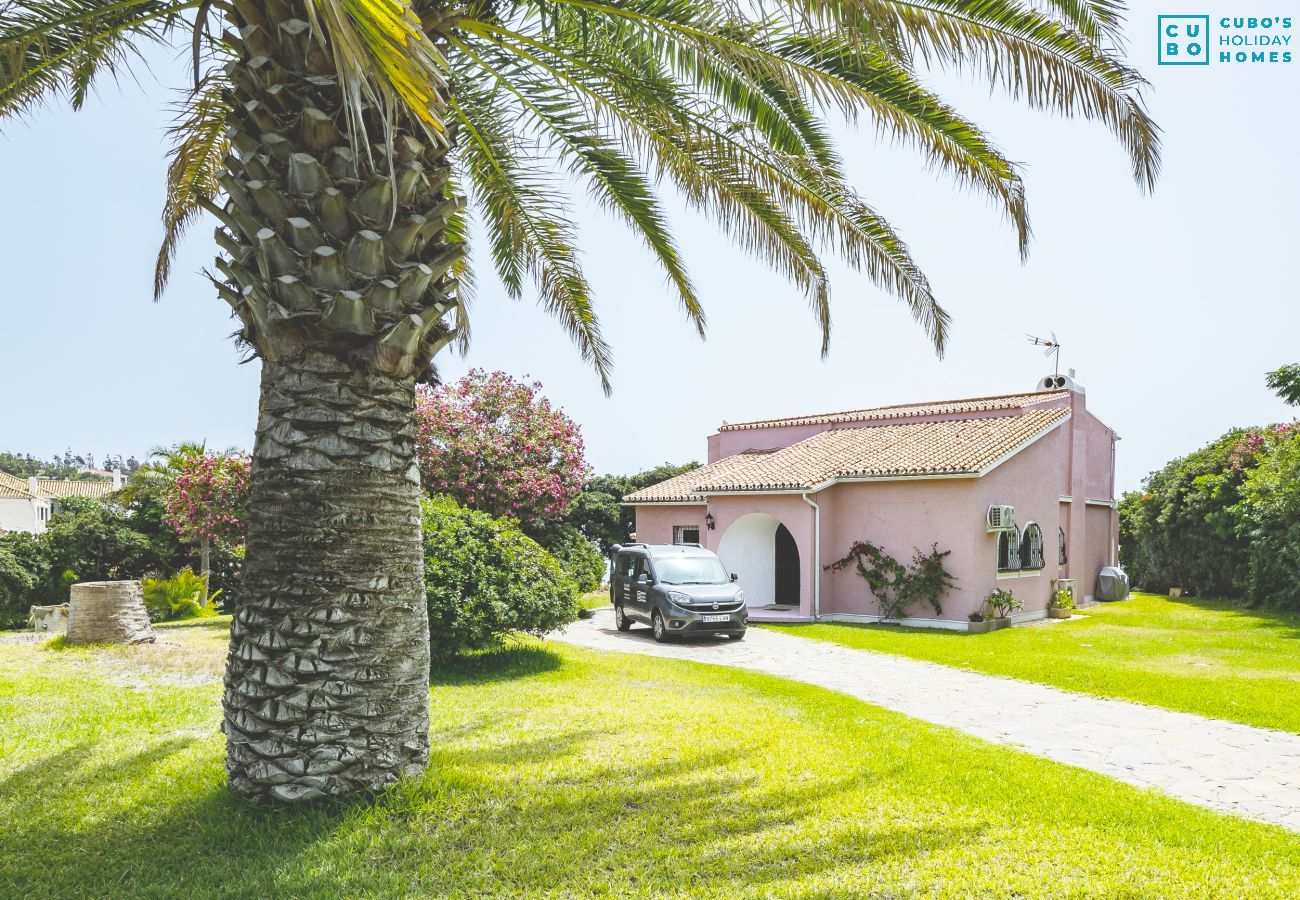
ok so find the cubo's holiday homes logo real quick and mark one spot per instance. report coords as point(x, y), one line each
point(1183, 40)
point(1186, 40)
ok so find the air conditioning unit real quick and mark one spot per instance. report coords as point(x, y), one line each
point(1001, 518)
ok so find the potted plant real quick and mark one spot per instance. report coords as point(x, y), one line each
point(978, 623)
point(1002, 603)
point(1061, 604)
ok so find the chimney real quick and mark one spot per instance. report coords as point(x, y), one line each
point(117, 479)
point(1060, 383)
point(32, 487)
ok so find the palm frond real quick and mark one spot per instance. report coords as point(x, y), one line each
point(1055, 55)
point(614, 178)
point(767, 196)
point(383, 57)
point(54, 48)
point(529, 233)
point(198, 148)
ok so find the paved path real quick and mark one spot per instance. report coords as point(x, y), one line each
point(1253, 772)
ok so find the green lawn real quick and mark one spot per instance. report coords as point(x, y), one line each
point(1201, 656)
point(595, 599)
point(559, 773)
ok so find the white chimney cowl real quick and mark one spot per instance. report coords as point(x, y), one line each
point(1060, 383)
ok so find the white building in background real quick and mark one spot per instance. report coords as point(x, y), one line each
point(26, 504)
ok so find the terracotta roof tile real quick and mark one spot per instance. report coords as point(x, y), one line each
point(955, 447)
point(682, 487)
point(908, 410)
point(58, 487)
point(13, 487)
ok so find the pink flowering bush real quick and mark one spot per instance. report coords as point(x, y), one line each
point(1256, 443)
point(497, 445)
point(207, 501)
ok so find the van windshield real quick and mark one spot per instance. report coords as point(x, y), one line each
point(690, 570)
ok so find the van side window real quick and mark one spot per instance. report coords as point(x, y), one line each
point(643, 567)
point(627, 565)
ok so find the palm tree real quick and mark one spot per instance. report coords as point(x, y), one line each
point(337, 143)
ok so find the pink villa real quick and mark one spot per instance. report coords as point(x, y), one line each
point(1019, 487)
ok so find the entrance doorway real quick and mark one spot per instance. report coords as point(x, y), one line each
point(764, 556)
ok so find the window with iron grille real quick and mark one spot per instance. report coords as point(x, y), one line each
point(686, 534)
point(1009, 550)
point(1031, 548)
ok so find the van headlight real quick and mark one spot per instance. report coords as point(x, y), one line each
point(740, 596)
point(679, 598)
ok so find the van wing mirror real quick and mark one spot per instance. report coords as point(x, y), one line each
point(643, 578)
point(735, 577)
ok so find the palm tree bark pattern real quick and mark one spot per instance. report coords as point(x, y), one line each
point(337, 266)
point(327, 680)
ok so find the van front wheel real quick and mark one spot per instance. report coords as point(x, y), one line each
point(659, 626)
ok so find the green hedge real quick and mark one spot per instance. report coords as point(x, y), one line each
point(484, 579)
point(1223, 521)
point(580, 558)
point(15, 585)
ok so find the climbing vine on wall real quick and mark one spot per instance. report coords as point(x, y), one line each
point(897, 585)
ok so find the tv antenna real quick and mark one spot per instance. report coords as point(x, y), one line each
point(1053, 348)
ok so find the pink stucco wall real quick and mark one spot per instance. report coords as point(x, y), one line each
point(1048, 483)
point(654, 524)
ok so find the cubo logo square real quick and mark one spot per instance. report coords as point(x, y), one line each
point(1184, 40)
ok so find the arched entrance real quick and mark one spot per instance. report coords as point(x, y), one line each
point(787, 568)
point(763, 554)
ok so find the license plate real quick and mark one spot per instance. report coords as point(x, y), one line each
point(716, 618)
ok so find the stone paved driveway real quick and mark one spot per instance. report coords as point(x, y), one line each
point(1235, 768)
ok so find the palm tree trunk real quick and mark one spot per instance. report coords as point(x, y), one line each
point(338, 262)
point(205, 559)
point(327, 677)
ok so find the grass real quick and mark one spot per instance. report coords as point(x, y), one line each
point(595, 599)
point(560, 772)
point(1208, 657)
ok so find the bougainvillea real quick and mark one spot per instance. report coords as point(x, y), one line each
point(206, 503)
point(896, 585)
point(1257, 442)
point(497, 445)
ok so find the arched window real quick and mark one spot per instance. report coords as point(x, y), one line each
point(1031, 547)
point(1062, 556)
point(1009, 550)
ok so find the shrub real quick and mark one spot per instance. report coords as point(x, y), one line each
point(183, 596)
point(1269, 517)
point(580, 558)
point(485, 579)
point(16, 583)
point(96, 541)
point(1002, 603)
point(497, 445)
point(1223, 521)
point(1062, 597)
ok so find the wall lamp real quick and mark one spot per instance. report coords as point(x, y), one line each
point(708, 520)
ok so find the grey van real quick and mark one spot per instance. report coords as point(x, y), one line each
point(675, 589)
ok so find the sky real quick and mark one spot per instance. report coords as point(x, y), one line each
point(1170, 306)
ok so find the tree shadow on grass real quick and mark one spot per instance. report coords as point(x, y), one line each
point(523, 817)
point(1278, 622)
point(507, 663)
point(210, 623)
